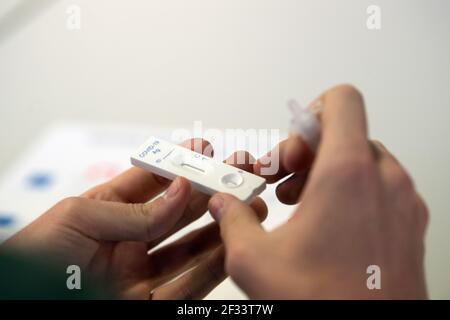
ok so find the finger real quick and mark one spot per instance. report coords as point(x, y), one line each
point(399, 186)
point(260, 208)
point(239, 222)
point(198, 204)
point(197, 208)
point(269, 166)
point(181, 255)
point(197, 283)
point(144, 186)
point(344, 127)
point(242, 160)
point(383, 156)
point(137, 185)
point(297, 155)
point(290, 155)
point(115, 221)
point(381, 152)
point(288, 192)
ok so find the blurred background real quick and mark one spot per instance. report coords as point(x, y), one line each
point(136, 65)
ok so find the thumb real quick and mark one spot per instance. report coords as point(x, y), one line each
point(238, 221)
point(116, 221)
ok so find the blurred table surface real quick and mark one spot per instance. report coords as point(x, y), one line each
point(233, 64)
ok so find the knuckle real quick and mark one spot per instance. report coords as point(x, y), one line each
point(378, 144)
point(106, 191)
point(400, 181)
point(139, 209)
point(102, 193)
point(143, 211)
point(70, 205)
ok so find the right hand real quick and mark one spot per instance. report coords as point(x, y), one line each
point(358, 208)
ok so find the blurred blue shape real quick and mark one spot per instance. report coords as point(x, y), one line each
point(40, 180)
point(6, 219)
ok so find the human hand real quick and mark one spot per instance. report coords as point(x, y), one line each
point(108, 231)
point(358, 208)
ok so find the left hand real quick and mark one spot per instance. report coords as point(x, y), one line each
point(108, 231)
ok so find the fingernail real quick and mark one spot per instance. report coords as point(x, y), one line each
point(215, 207)
point(173, 189)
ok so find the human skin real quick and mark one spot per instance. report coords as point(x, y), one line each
point(108, 230)
point(358, 208)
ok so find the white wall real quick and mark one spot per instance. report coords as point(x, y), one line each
point(234, 63)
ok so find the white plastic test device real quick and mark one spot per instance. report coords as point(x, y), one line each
point(305, 123)
point(205, 174)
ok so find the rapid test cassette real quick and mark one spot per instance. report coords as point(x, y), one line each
point(205, 174)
